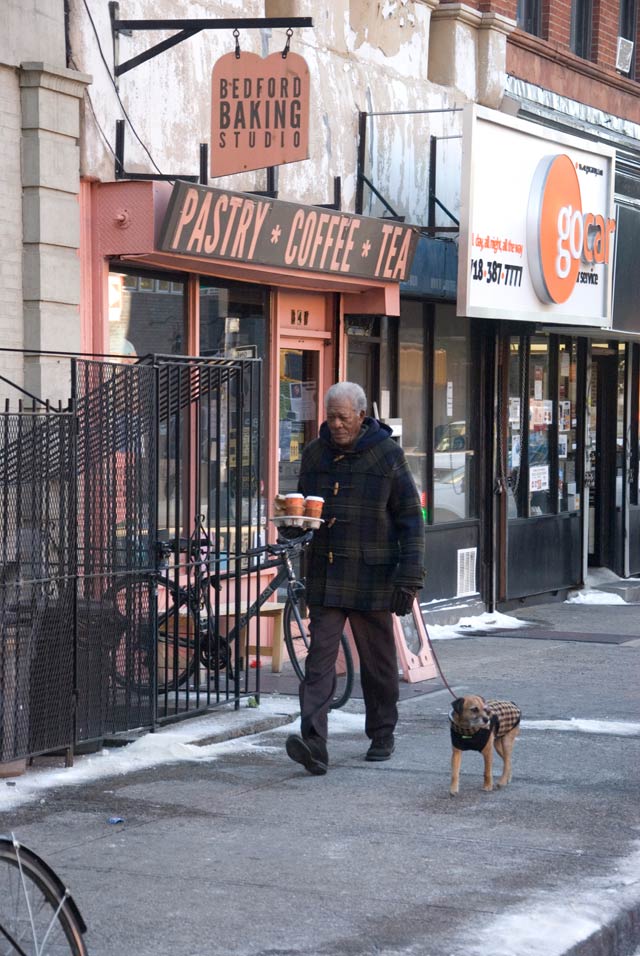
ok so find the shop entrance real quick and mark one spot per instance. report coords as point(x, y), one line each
point(363, 367)
point(604, 466)
point(301, 375)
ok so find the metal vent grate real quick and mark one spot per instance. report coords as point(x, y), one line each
point(467, 559)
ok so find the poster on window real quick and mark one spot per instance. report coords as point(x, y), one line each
point(302, 401)
point(285, 440)
point(515, 450)
point(539, 478)
point(562, 446)
point(536, 413)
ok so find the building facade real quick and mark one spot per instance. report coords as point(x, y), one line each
point(552, 427)
point(522, 431)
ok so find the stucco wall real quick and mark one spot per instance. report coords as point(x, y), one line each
point(10, 224)
point(362, 57)
point(39, 182)
point(32, 30)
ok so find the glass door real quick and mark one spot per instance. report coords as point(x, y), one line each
point(300, 407)
point(601, 452)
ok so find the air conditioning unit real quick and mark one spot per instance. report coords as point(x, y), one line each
point(624, 54)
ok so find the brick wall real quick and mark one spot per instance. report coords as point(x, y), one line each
point(556, 24)
point(505, 7)
point(558, 18)
point(547, 60)
point(606, 14)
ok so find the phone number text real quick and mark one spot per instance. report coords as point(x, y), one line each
point(497, 272)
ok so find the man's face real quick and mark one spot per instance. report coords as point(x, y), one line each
point(344, 422)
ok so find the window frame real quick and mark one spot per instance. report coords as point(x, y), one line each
point(581, 37)
point(529, 16)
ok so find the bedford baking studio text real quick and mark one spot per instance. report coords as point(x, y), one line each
point(266, 104)
point(207, 222)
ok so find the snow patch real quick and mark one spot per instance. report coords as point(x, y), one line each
point(552, 922)
point(169, 745)
point(487, 621)
point(179, 742)
point(594, 597)
point(614, 728)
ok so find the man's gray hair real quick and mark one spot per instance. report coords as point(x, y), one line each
point(347, 391)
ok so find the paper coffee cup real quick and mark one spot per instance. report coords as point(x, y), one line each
point(294, 504)
point(313, 506)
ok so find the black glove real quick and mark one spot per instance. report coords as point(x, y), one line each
point(402, 600)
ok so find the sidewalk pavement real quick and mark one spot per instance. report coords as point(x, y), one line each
point(227, 848)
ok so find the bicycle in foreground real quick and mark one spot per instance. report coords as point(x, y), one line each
point(38, 916)
point(188, 639)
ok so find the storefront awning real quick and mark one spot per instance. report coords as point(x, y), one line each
point(250, 238)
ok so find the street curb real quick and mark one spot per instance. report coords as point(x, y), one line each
point(619, 937)
point(255, 727)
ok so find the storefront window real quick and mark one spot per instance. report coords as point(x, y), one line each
point(411, 392)
point(233, 324)
point(540, 422)
point(516, 410)
point(454, 452)
point(232, 319)
point(620, 428)
point(146, 314)
point(568, 495)
point(542, 426)
point(298, 411)
point(635, 460)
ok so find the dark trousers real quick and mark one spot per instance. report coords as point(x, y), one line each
point(373, 635)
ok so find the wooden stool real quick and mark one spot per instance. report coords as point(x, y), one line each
point(273, 610)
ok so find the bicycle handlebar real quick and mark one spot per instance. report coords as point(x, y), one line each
point(194, 547)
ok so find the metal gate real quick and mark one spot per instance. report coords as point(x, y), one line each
point(209, 493)
point(115, 408)
point(162, 448)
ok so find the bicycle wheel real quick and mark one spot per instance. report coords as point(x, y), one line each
point(187, 643)
point(297, 641)
point(176, 656)
point(127, 615)
point(132, 643)
point(38, 917)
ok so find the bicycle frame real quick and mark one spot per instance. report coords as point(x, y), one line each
point(281, 560)
point(196, 595)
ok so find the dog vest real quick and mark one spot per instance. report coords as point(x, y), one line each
point(504, 716)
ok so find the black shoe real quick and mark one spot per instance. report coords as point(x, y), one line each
point(381, 748)
point(311, 752)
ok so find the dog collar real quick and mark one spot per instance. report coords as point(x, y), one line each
point(458, 731)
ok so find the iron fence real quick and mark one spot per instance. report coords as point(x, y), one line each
point(37, 581)
point(161, 449)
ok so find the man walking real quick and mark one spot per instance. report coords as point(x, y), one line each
point(364, 564)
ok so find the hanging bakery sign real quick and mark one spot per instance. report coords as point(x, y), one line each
point(207, 223)
point(259, 112)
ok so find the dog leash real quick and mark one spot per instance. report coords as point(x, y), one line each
point(437, 662)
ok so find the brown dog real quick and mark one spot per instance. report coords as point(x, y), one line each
point(479, 724)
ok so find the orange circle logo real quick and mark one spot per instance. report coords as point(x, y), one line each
point(555, 229)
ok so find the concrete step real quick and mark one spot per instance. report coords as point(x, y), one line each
point(628, 591)
point(450, 611)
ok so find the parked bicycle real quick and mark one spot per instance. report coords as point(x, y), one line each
point(188, 637)
point(38, 916)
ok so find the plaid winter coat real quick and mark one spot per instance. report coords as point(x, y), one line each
point(373, 532)
point(505, 715)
